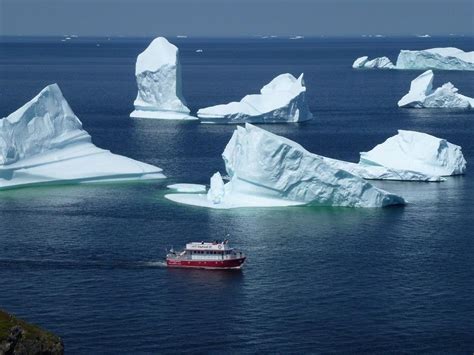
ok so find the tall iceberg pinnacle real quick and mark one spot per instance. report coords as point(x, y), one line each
point(281, 100)
point(44, 142)
point(267, 170)
point(158, 74)
point(422, 95)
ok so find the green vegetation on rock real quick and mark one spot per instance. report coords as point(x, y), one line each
point(20, 337)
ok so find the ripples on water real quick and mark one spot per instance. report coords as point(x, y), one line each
point(86, 261)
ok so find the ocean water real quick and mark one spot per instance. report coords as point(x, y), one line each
point(85, 261)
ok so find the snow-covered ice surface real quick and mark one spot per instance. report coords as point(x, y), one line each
point(188, 188)
point(376, 63)
point(267, 170)
point(422, 95)
point(418, 152)
point(378, 172)
point(281, 100)
point(448, 58)
point(158, 74)
point(43, 142)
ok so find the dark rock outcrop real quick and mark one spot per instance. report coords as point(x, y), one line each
point(21, 338)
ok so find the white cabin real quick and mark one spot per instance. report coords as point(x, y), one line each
point(209, 251)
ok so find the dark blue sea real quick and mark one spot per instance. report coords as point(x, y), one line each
point(84, 261)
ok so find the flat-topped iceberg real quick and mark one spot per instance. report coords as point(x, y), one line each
point(422, 95)
point(376, 63)
point(281, 100)
point(436, 58)
point(158, 74)
point(267, 170)
point(418, 152)
point(43, 142)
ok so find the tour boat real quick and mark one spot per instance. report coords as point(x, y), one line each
point(204, 255)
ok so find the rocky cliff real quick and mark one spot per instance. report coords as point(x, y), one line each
point(20, 337)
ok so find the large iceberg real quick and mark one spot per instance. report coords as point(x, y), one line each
point(44, 142)
point(158, 74)
point(376, 63)
point(267, 170)
point(422, 95)
point(281, 100)
point(436, 58)
point(418, 152)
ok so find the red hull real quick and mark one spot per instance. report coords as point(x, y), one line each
point(206, 264)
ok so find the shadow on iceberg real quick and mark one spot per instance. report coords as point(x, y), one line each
point(43, 142)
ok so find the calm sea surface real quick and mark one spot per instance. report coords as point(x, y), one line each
point(85, 261)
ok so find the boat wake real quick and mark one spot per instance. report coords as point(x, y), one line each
point(25, 263)
point(154, 263)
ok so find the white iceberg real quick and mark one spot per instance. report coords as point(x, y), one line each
point(376, 63)
point(418, 152)
point(436, 58)
point(43, 142)
point(422, 95)
point(379, 172)
point(158, 74)
point(216, 192)
point(281, 100)
point(188, 188)
point(267, 170)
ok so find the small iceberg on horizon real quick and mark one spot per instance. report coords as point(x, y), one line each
point(43, 142)
point(448, 58)
point(422, 95)
point(281, 100)
point(158, 75)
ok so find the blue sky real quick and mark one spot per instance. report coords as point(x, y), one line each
point(236, 17)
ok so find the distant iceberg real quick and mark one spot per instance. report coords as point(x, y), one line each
point(436, 58)
point(281, 100)
point(267, 170)
point(158, 74)
point(418, 152)
point(43, 142)
point(422, 95)
point(376, 63)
